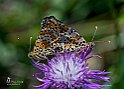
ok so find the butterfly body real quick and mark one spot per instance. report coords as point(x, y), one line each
point(56, 37)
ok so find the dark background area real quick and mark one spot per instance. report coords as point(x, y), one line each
point(20, 20)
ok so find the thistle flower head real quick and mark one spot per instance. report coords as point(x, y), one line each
point(70, 71)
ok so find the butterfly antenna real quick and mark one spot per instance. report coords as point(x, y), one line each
point(30, 44)
point(102, 41)
point(94, 33)
point(96, 27)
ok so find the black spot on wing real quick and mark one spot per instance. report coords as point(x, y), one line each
point(63, 39)
point(58, 49)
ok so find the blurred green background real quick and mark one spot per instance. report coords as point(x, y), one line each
point(20, 20)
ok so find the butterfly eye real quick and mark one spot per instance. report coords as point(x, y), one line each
point(91, 44)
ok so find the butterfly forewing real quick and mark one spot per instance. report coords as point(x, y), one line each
point(56, 37)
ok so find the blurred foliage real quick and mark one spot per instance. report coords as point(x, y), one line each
point(20, 19)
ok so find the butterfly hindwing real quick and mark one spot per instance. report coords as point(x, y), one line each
point(55, 37)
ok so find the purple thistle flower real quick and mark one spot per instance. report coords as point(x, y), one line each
point(70, 71)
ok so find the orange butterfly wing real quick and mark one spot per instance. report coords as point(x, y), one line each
point(56, 37)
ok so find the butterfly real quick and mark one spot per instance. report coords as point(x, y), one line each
point(56, 37)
